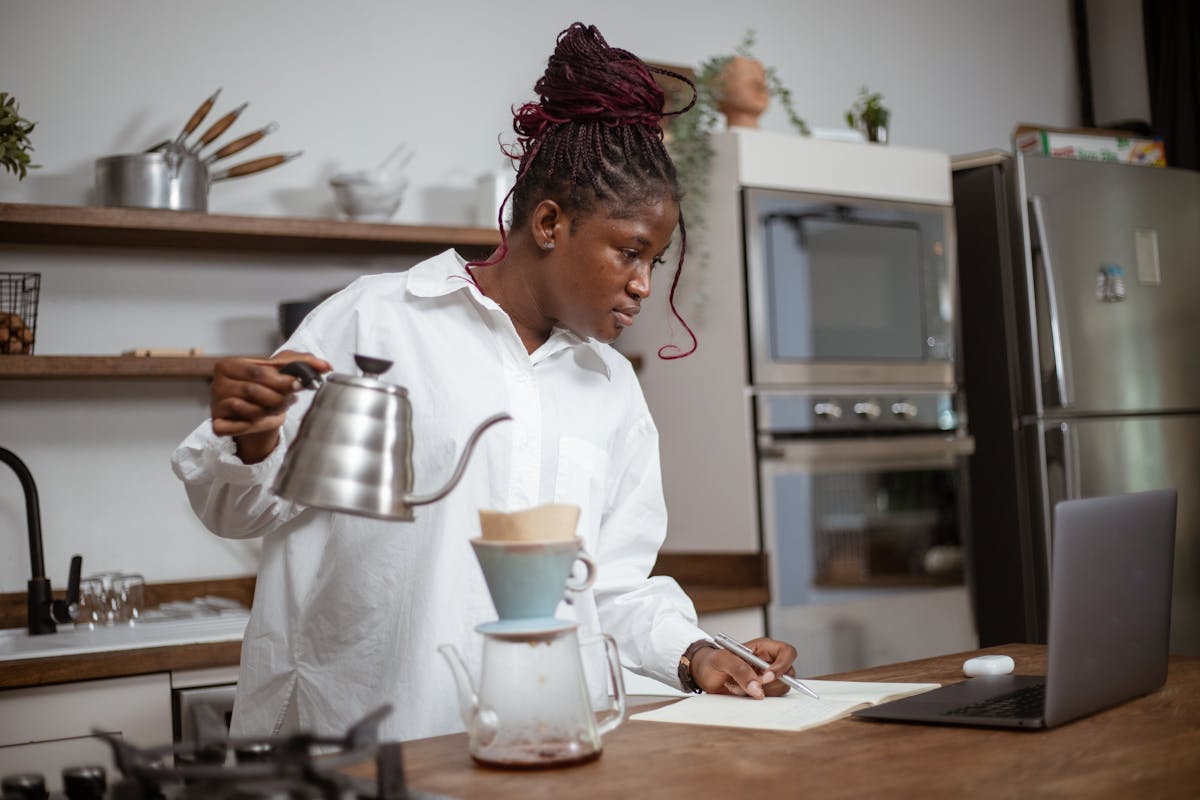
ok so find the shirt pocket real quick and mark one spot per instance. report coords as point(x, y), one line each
point(581, 479)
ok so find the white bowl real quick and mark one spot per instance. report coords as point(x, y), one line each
point(368, 196)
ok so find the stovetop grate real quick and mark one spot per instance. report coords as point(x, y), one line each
point(297, 767)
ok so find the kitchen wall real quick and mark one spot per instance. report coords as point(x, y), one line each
point(346, 82)
point(1120, 87)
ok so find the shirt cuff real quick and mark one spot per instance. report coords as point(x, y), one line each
point(228, 468)
point(671, 639)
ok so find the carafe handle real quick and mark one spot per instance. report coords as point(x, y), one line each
point(609, 718)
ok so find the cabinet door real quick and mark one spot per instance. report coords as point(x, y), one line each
point(47, 728)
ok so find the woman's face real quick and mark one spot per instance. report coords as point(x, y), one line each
point(599, 273)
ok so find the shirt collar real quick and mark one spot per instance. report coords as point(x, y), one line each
point(447, 273)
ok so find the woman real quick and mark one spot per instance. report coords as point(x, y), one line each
point(348, 611)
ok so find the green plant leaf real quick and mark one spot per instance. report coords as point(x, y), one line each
point(14, 138)
point(867, 110)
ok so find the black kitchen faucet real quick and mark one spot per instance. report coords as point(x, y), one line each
point(44, 611)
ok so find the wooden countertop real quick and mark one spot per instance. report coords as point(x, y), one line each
point(26, 672)
point(1149, 747)
point(715, 582)
point(120, 663)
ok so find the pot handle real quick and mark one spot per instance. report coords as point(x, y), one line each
point(257, 165)
point(218, 128)
point(238, 145)
point(304, 372)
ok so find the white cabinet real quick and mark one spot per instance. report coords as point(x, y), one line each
point(46, 728)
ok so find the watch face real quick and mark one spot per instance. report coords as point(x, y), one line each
point(685, 666)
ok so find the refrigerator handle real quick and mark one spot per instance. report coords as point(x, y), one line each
point(1058, 333)
point(1070, 463)
point(1060, 449)
point(1056, 484)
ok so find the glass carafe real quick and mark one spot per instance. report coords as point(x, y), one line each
point(532, 707)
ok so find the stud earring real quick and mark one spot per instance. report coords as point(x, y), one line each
point(547, 245)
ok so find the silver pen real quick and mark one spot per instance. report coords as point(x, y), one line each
point(746, 654)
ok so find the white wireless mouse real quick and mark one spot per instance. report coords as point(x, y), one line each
point(987, 665)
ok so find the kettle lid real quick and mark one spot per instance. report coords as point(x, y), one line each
point(372, 368)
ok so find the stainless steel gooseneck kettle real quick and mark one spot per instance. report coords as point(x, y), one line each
point(353, 452)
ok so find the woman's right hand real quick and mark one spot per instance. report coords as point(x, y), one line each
point(250, 399)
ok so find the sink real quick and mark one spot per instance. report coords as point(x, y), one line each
point(16, 643)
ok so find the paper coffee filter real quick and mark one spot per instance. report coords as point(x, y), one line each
point(552, 522)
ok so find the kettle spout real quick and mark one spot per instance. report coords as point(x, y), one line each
point(432, 497)
point(468, 700)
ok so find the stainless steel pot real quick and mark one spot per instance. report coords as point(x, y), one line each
point(171, 178)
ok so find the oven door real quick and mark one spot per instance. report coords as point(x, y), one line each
point(186, 702)
point(847, 517)
point(848, 291)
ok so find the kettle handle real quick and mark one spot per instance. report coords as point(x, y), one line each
point(303, 372)
point(614, 715)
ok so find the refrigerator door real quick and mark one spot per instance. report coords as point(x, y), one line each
point(1112, 455)
point(1112, 272)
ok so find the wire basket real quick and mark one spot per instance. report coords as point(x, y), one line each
point(18, 311)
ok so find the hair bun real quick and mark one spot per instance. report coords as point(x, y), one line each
point(586, 80)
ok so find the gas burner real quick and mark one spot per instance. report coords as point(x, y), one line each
point(297, 767)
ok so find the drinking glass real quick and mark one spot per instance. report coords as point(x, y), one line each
point(92, 603)
point(129, 591)
point(107, 601)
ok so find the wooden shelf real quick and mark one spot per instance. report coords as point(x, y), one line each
point(50, 367)
point(137, 227)
point(718, 581)
point(25, 367)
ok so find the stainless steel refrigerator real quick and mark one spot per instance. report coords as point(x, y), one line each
point(1080, 290)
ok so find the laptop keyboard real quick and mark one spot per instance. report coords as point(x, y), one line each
point(1026, 702)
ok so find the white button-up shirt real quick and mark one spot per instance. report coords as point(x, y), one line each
point(349, 611)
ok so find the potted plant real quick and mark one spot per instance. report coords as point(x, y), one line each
point(719, 81)
point(14, 137)
point(869, 115)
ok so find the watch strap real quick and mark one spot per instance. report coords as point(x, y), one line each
point(685, 665)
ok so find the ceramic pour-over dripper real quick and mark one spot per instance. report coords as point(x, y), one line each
point(527, 558)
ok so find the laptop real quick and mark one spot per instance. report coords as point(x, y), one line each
point(1110, 616)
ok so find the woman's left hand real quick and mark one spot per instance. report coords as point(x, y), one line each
point(718, 671)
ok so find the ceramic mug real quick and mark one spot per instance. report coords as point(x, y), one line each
point(527, 579)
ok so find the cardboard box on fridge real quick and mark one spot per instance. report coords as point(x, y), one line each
point(1091, 144)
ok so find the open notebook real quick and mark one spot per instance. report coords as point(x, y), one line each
point(792, 712)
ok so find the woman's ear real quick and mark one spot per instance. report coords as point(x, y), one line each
point(547, 223)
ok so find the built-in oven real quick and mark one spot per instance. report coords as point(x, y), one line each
point(863, 506)
point(849, 291)
point(192, 691)
point(861, 491)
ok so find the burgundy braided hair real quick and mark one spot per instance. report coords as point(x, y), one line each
point(593, 138)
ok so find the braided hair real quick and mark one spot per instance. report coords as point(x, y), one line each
point(593, 138)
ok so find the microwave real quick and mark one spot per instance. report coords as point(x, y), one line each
point(848, 291)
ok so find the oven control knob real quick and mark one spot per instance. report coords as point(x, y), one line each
point(867, 409)
point(827, 410)
point(84, 783)
point(25, 786)
point(904, 410)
